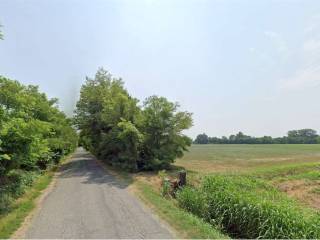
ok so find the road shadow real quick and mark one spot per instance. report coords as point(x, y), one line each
point(84, 166)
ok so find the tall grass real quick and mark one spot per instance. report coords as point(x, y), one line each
point(246, 207)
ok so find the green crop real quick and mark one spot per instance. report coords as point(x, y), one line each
point(246, 207)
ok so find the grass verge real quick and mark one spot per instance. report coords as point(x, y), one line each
point(249, 208)
point(185, 224)
point(11, 221)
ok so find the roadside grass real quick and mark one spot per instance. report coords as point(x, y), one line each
point(12, 220)
point(316, 190)
point(184, 224)
point(259, 190)
point(247, 207)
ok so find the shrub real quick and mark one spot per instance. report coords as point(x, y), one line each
point(32, 128)
point(5, 202)
point(165, 188)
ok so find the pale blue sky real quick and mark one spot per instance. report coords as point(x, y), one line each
point(237, 65)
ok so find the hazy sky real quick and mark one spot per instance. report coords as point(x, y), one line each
point(237, 65)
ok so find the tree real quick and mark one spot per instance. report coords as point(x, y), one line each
point(202, 139)
point(162, 125)
point(302, 136)
point(114, 128)
point(106, 115)
point(33, 132)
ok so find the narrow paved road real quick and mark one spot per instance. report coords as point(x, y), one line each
point(87, 202)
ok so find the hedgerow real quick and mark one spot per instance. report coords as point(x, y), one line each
point(34, 134)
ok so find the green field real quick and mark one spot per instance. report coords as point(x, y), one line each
point(292, 168)
point(246, 157)
point(246, 191)
point(254, 191)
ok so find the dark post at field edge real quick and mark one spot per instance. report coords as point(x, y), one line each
point(182, 178)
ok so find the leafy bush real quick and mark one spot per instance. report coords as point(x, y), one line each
point(5, 202)
point(249, 208)
point(32, 128)
point(18, 180)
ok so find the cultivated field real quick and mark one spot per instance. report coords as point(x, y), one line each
point(245, 191)
point(293, 169)
point(210, 158)
point(254, 191)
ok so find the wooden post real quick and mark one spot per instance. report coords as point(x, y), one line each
point(182, 178)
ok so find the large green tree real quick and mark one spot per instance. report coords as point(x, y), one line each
point(106, 115)
point(162, 126)
point(33, 131)
point(115, 128)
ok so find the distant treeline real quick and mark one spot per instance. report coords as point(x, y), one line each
point(302, 136)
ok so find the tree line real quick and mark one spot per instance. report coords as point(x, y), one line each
point(34, 135)
point(302, 136)
point(117, 129)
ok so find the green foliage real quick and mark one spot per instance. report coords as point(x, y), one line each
point(34, 134)
point(249, 208)
point(186, 224)
point(162, 174)
point(302, 136)
point(116, 129)
point(193, 201)
point(165, 188)
point(13, 216)
point(165, 183)
point(162, 128)
point(5, 202)
point(32, 129)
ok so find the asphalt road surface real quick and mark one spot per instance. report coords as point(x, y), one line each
point(87, 202)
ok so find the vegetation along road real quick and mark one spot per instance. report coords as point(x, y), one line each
point(87, 202)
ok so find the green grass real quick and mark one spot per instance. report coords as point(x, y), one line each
point(248, 203)
point(186, 224)
point(247, 207)
point(247, 157)
point(287, 171)
point(243, 196)
point(11, 221)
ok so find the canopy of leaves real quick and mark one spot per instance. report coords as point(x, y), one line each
point(33, 131)
point(113, 127)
